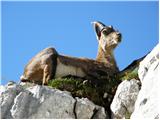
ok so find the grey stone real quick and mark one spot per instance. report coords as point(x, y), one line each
point(43, 102)
point(8, 93)
point(100, 113)
point(85, 109)
point(124, 99)
point(28, 101)
point(10, 83)
point(147, 103)
point(24, 105)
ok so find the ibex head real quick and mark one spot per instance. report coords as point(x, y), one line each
point(107, 37)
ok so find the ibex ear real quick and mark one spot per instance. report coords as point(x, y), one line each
point(98, 26)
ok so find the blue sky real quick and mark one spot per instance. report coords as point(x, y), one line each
point(28, 27)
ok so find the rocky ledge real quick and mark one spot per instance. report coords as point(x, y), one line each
point(35, 101)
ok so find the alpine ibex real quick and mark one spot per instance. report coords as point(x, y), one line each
point(48, 64)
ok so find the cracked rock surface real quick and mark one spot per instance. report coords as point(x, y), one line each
point(35, 102)
point(147, 103)
point(124, 99)
point(133, 101)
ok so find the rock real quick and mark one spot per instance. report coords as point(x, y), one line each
point(43, 103)
point(8, 93)
point(35, 102)
point(10, 83)
point(2, 89)
point(86, 109)
point(24, 105)
point(147, 103)
point(128, 100)
point(100, 113)
point(123, 103)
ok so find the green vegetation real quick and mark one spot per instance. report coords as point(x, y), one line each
point(129, 74)
point(78, 88)
point(131, 71)
point(127, 115)
point(92, 89)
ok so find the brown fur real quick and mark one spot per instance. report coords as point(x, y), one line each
point(42, 67)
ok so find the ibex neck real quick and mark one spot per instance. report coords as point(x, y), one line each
point(106, 57)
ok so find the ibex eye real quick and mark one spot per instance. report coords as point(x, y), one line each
point(106, 32)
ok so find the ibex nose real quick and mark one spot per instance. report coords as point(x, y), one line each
point(118, 33)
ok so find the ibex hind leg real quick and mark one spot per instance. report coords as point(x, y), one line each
point(46, 74)
point(50, 67)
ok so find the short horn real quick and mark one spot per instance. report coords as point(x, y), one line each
point(98, 26)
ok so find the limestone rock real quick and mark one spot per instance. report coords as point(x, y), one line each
point(35, 101)
point(124, 99)
point(84, 108)
point(43, 103)
point(147, 103)
point(100, 113)
point(8, 93)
